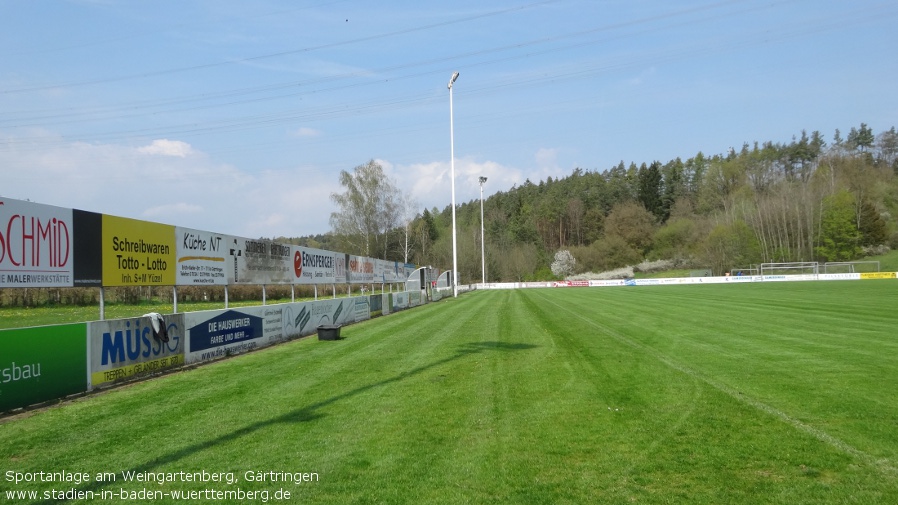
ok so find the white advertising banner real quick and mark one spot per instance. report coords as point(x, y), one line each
point(341, 262)
point(201, 257)
point(400, 301)
point(388, 271)
point(332, 311)
point(839, 277)
point(36, 244)
point(314, 266)
point(259, 261)
point(787, 278)
point(361, 270)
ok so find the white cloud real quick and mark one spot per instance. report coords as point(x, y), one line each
point(198, 192)
point(306, 132)
point(165, 147)
point(547, 158)
point(173, 210)
point(195, 191)
point(430, 184)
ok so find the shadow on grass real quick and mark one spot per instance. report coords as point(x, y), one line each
point(307, 413)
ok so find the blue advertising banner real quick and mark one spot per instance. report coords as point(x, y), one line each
point(227, 328)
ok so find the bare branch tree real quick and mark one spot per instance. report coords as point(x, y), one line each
point(369, 208)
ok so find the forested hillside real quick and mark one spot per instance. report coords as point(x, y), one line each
point(811, 199)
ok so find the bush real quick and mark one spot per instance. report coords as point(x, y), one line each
point(616, 253)
point(617, 273)
point(564, 264)
point(631, 223)
point(655, 266)
point(676, 239)
point(893, 241)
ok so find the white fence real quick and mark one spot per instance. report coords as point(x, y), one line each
point(679, 281)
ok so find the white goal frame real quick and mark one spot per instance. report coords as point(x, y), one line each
point(791, 268)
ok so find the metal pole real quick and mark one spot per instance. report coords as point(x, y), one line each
point(102, 304)
point(482, 246)
point(452, 164)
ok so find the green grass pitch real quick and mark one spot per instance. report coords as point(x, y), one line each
point(780, 393)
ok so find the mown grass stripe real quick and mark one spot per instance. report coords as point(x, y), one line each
point(882, 464)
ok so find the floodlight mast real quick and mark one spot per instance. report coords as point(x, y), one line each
point(452, 165)
point(482, 246)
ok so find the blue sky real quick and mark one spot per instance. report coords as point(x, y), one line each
point(237, 117)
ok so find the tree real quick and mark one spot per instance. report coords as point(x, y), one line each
point(723, 178)
point(675, 186)
point(888, 148)
point(369, 208)
point(872, 226)
point(649, 188)
point(610, 253)
point(675, 239)
point(408, 210)
point(733, 245)
point(631, 222)
point(839, 237)
point(694, 174)
point(861, 139)
point(593, 225)
point(618, 185)
point(564, 264)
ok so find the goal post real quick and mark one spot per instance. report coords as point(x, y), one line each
point(850, 267)
point(790, 268)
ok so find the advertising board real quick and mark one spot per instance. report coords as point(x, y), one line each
point(41, 364)
point(331, 311)
point(314, 266)
point(341, 262)
point(214, 334)
point(201, 258)
point(123, 349)
point(137, 253)
point(878, 275)
point(35, 245)
point(400, 301)
point(360, 270)
point(259, 261)
point(839, 277)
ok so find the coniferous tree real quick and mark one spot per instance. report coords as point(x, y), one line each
point(649, 188)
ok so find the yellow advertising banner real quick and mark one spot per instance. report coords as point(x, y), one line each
point(136, 370)
point(878, 275)
point(138, 253)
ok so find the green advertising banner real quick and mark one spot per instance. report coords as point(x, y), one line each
point(42, 363)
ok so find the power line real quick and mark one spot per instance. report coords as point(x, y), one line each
point(276, 54)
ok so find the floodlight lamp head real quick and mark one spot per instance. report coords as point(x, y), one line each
point(482, 179)
point(454, 77)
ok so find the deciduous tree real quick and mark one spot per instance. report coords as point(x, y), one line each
point(839, 237)
point(369, 208)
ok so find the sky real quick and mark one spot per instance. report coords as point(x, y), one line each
point(237, 117)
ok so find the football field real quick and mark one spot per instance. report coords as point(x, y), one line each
point(755, 393)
